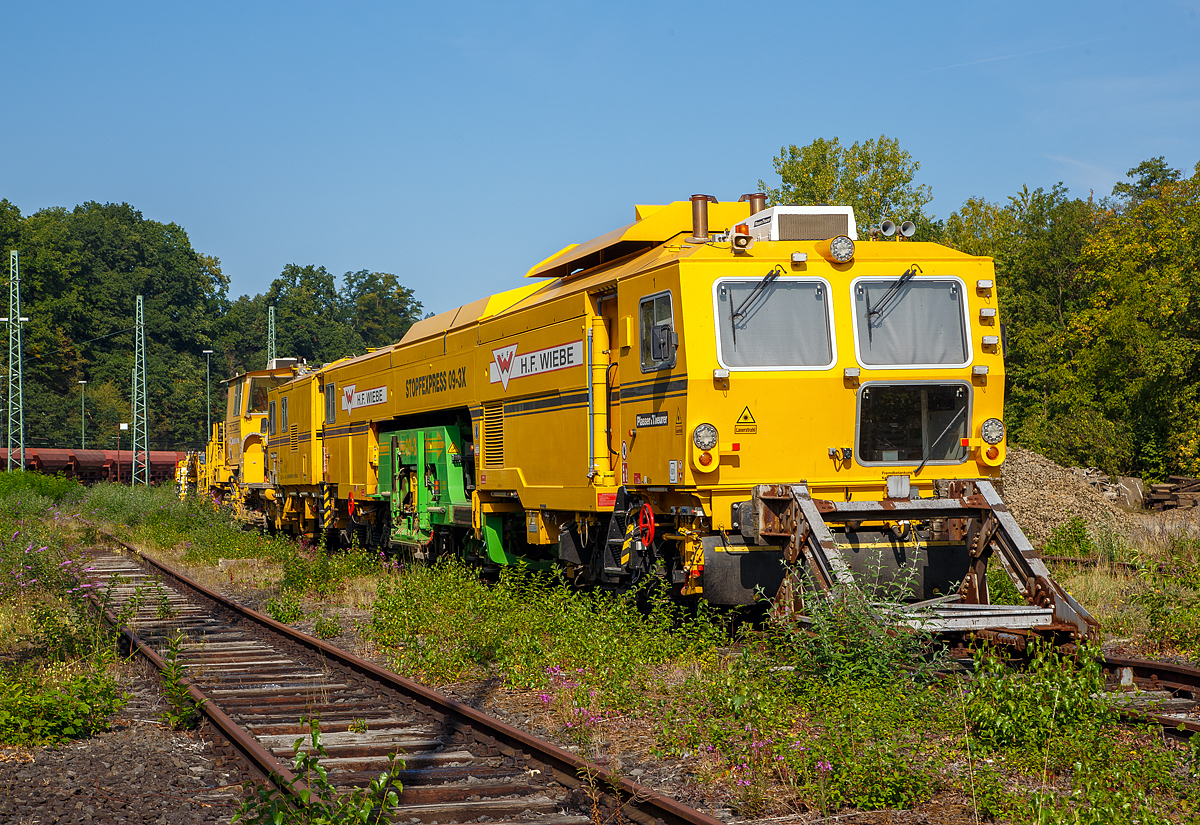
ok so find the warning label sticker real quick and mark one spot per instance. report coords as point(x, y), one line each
point(746, 424)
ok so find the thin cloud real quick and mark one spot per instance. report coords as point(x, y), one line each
point(1097, 177)
point(1013, 56)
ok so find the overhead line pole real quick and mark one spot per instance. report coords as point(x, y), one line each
point(270, 336)
point(15, 441)
point(141, 429)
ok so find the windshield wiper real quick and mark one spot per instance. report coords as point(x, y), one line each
point(889, 298)
point(763, 283)
point(938, 440)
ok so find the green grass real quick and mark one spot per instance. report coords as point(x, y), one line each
point(57, 680)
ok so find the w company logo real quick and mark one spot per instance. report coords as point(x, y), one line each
point(508, 364)
point(348, 397)
point(502, 364)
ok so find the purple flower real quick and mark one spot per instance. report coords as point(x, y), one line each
point(824, 767)
point(544, 698)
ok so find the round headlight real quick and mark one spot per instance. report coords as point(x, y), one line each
point(841, 248)
point(993, 431)
point(704, 437)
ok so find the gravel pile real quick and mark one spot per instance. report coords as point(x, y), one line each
point(137, 772)
point(1042, 495)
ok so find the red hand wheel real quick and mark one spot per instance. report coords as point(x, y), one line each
point(646, 525)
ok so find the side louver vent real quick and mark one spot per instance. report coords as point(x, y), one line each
point(294, 438)
point(493, 434)
point(812, 227)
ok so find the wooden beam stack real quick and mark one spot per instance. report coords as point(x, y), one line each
point(1179, 492)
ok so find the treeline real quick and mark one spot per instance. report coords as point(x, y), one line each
point(81, 270)
point(1100, 297)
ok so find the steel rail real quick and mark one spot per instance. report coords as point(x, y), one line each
point(635, 802)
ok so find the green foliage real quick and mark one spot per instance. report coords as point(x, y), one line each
point(1056, 694)
point(58, 489)
point(156, 516)
point(42, 709)
point(849, 639)
point(327, 627)
point(443, 624)
point(321, 803)
point(1099, 302)
point(182, 713)
point(285, 607)
point(1071, 539)
point(320, 574)
point(875, 177)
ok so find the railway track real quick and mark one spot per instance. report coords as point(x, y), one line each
point(256, 680)
point(1160, 692)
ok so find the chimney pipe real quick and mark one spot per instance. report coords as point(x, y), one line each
point(700, 218)
point(758, 201)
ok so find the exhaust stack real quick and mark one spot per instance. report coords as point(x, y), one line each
point(758, 201)
point(700, 218)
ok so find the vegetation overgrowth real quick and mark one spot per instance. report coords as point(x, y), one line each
point(771, 718)
point(57, 679)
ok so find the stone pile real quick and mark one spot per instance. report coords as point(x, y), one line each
point(1042, 495)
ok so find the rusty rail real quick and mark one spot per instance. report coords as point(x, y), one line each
point(634, 802)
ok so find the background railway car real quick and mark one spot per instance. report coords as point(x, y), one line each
point(775, 407)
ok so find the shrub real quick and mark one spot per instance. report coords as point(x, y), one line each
point(38, 709)
point(1057, 693)
point(285, 608)
point(1071, 539)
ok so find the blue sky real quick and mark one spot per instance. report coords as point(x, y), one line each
point(458, 144)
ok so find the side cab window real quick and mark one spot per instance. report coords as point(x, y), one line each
point(283, 414)
point(330, 403)
point(658, 338)
point(271, 419)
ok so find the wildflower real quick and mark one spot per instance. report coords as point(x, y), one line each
point(544, 698)
point(824, 767)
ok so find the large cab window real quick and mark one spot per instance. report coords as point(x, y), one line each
point(910, 323)
point(330, 403)
point(258, 392)
point(774, 324)
point(912, 423)
point(657, 332)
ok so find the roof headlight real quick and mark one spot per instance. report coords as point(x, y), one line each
point(704, 436)
point(992, 431)
point(839, 249)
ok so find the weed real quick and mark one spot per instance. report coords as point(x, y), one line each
point(1071, 539)
point(285, 608)
point(357, 726)
point(327, 627)
point(56, 704)
point(321, 803)
point(182, 712)
point(1057, 693)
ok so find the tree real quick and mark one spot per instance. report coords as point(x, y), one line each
point(382, 309)
point(875, 177)
point(1142, 322)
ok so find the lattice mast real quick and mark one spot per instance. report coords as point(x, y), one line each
point(141, 428)
point(16, 381)
point(270, 336)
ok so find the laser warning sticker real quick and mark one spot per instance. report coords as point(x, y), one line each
point(746, 425)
